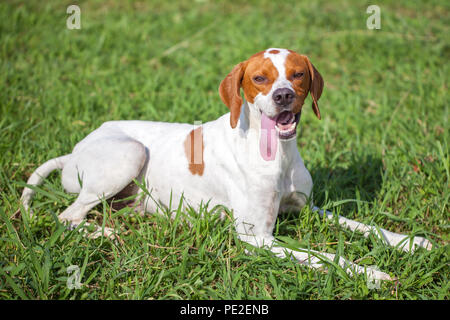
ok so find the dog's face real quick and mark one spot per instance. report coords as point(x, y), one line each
point(275, 82)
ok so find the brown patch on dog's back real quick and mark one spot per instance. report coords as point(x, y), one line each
point(193, 147)
point(274, 51)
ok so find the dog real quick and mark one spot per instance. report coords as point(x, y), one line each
point(246, 160)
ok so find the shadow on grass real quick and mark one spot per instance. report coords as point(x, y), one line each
point(357, 179)
point(360, 178)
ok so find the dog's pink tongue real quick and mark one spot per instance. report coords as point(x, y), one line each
point(268, 141)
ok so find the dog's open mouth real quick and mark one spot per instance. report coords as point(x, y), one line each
point(286, 124)
point(283, 127)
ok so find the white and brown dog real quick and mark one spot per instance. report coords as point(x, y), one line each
point(247, 160)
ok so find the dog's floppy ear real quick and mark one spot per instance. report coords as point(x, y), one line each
point(230, 92)
point(316, 86)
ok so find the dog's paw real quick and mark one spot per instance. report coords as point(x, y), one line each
point(419, 242)
point(106, 232)
point(375, 275)
point(102, 232)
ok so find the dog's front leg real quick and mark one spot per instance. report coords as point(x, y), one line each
point(400, 241)
point(312, 258)
point(254, 225)
point(301, 182)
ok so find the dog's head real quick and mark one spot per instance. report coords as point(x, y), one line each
point(275, 82)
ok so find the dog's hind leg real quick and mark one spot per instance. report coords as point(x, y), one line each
point(100, 170)
point(78, 210)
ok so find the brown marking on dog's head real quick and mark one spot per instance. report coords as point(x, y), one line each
point(254, 75)
point(257, 75)
point(304, 78)
point(193, 148)
point(230, 92)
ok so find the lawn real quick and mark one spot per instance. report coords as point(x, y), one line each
point(379, 155)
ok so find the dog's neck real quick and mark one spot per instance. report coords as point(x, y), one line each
point(250, 117)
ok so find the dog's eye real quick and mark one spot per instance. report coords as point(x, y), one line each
point(259, 79)
point(298, 75)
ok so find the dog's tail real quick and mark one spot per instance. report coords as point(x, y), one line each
point(39, 175)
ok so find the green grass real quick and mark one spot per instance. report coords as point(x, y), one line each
point(380, 154)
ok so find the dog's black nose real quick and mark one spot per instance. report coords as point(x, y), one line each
point(283, 96)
